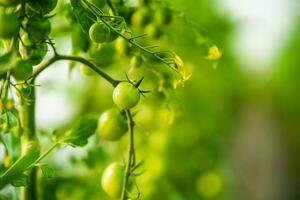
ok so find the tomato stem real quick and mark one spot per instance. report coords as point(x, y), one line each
point(27, 119)
point(131, 154)
point(82, 60)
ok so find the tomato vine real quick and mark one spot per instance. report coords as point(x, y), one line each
point(25, 34)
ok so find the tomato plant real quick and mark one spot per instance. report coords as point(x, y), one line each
point(104, 36)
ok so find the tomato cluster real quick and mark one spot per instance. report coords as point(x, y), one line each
point(30, 27)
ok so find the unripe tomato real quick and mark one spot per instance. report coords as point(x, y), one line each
point(32, 52)
point(22, 70)
point(136, 61)
point(99, 32)
point(45, 6)
point(126, 95)
point(85, 70)
point(163, 16)
point(122, 46)
point(98, 3)
point(140, 17)
point(112, 125)
point(10, 2)
point(112, 179)
point(153, 31)
point(38, 29)
point(9, 25)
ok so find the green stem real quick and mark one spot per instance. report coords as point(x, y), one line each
point(131, 155)
point(27, 119)
point(131, 40)
point(43, 155)
point(94, 67)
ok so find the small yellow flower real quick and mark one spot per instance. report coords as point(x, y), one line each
point(178, 61)
point(214, 53)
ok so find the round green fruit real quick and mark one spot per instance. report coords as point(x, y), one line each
point(85, 70)
point(126, 95)
point(112, 125)
point(44, 6)
point(163, 16)
point(153, 31)
point(38, 29)
point(9, 25)
point(112, 179)
point(99, 32)
point(22, 70)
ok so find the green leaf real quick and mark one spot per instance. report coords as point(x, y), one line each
point(77, 135)
point(22, 180)
point(7, 62)
point(47, 171)
point(16, 170)
point(84, 17)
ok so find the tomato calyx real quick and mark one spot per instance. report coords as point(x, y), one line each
point(137, 84)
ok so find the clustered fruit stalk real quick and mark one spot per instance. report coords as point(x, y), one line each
point(27, 118)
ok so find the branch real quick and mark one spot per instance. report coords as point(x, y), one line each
point(100, 14)
point(131, 154)
point(82, 60)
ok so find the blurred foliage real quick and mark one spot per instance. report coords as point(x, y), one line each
point(285, 98)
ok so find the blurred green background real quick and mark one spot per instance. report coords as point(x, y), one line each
point(232, 132)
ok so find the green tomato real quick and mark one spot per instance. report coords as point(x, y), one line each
point(112, 125)
point(45, 6)
point(99, 32)
point(38, 29)
point(98, 3)
point(163, 16)
point(112, 179)
point(35, 53)
point(122, 46)
point(102, 56)
point(85, 70)
point(126, 95)
point(136, 61)
point(10, 2)
point(153, 31)
point(9, 25)
point(140, 18)
point(22, 70)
